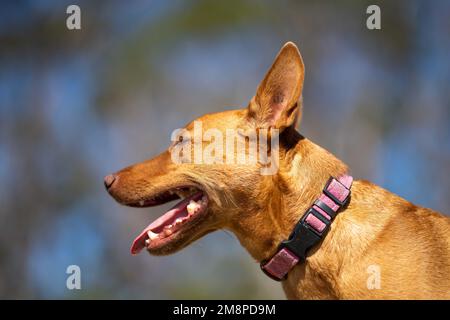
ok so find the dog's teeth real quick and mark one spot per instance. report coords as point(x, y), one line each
point(141, 203)
point(178, 221)
point(152, 235)
point(147, 242)
point(192, 207)
point(167, 232)
point(168, 227)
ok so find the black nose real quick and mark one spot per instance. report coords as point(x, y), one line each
point(109, 180)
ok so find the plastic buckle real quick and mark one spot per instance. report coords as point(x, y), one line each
point(301, 240)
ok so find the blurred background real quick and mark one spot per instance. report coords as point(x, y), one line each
point(77, 105)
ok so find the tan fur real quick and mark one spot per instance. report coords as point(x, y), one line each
point(410, 244)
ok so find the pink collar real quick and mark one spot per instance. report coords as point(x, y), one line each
point(311, 228)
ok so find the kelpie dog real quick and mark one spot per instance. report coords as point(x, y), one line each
point(323, 235)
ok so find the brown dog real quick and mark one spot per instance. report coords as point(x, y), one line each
point(379, 246)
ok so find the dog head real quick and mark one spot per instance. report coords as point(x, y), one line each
point(219, 166)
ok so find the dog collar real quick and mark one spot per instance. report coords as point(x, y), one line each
point(310, 230)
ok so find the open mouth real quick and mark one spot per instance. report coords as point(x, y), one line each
point(175, 221)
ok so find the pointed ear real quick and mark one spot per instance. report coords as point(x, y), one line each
point(276, 103)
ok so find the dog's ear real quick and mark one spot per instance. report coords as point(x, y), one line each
point(276, 103)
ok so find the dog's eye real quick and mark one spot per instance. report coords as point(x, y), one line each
point(178, 140)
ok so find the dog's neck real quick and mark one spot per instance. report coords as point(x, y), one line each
point(303, 172)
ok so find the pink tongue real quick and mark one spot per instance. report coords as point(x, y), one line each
point(179, 210)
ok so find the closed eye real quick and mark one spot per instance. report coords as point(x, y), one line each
point(179, 141)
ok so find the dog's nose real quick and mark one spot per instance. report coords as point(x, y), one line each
point(109, 180)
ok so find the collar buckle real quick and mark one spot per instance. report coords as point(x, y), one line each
point(309, 231)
